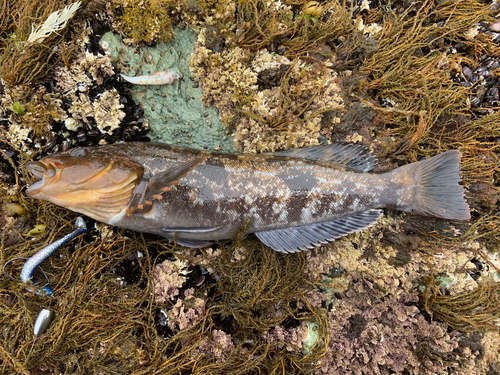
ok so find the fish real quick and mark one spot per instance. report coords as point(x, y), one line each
point(158, 78)
point(292, 200)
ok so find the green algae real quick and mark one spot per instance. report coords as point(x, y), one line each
point(175, 112)
point(312, 337)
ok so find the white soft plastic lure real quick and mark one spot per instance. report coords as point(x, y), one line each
point(158, 78)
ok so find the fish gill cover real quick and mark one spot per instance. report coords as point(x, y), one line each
point(408, 79)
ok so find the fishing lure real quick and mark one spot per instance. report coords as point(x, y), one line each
point(42, 322)
point(34, 262)
point(158, 78)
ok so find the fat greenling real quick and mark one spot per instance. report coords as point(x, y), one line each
point(292, 200)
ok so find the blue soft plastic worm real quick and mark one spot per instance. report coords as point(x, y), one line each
point(34, 262)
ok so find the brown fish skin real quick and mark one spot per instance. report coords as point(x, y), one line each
point(294, 200)
point(98, 185)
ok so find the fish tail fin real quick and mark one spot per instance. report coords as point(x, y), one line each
point(438, 192)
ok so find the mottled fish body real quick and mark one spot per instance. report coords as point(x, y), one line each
point(292, 200)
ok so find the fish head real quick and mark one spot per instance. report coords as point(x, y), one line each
point(93, 181)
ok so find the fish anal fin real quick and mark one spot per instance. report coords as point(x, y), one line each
point(294, 239)
point(351, 156)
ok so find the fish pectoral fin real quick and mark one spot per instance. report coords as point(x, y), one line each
point(295, 239)
point(152, 188)
point(136, 204)
point(161, 182)
point(189, 243)
point(350, 156)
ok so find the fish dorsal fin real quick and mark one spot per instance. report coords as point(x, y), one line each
point(295, 239)
point(152, 188)
point(350, 156)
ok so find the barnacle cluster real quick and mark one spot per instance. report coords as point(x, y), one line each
point(169, 278)
point(374, 315)
point(224, 77)
point(275, 121)
point(218, 347)
point(272, 102)
point(41, 110)
point(72, 101)
point(75, 82)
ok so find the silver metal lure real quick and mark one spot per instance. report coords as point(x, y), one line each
point(42, 322)
point(34, 262)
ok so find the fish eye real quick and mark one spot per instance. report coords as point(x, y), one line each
point(78, 152)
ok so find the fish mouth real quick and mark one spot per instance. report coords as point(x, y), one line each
point(37, 169)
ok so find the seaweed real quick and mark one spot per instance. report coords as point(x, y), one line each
point(285, 28)
point(474, 311)
point(416, 46)
point(144, 21)
point(21, 61)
